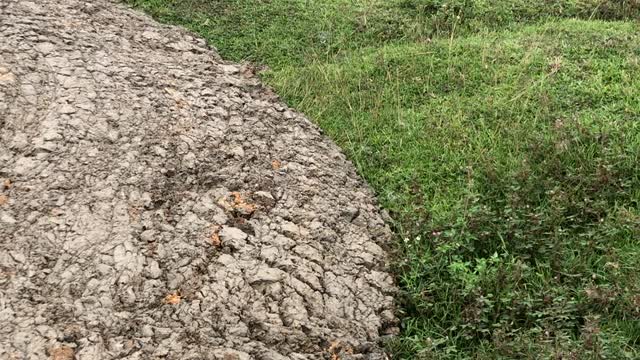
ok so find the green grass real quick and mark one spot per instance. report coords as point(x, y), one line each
point(502, 136)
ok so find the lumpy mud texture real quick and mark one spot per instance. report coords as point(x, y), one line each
point(158, 202)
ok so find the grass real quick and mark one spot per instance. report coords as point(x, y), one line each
point(502, 136)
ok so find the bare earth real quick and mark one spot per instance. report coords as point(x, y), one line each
point(158, 202)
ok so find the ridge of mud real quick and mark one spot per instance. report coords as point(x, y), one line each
point(158, 202)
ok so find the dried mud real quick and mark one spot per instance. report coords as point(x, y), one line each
point(158, 202)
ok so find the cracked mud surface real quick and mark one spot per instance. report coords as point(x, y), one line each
point(157, 202)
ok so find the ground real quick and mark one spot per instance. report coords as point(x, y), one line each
point(159, 202)
point(502, 137)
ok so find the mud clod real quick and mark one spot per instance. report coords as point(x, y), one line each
point(146, 215)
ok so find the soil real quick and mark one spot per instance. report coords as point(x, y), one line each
point(159, 202)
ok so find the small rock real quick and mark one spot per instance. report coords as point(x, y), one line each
point(18, 256)
point(104, 269)
point(23, 165)
point(232, 237)
point(151, 35)
point(148, 236)
point(160, 151)
point(350, 212)
point(154, 269)
point(189, 160)
point(45, 145)
point(147, 331)
point(19, 141)
point(113, 135)
point(146, 200)
point(45, 48)
point(7, 78)
point(51, 134)
point(290, 229)
point(66, 109)
point(128, 297)
point(163, 333)
point(230, 69)
point(264, 198)
point(6, 218)
point(120, 255)
point(269, 254)
point(238, 151)
point(266, 275)
point(93, 152)
point(226, 259)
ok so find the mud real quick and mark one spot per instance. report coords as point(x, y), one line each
point(158, 202)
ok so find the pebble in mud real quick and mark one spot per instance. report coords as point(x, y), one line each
point(157, 201)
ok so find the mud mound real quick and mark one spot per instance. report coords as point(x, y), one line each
point(157, 202)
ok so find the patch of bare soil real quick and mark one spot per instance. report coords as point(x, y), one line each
point(157, 202)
